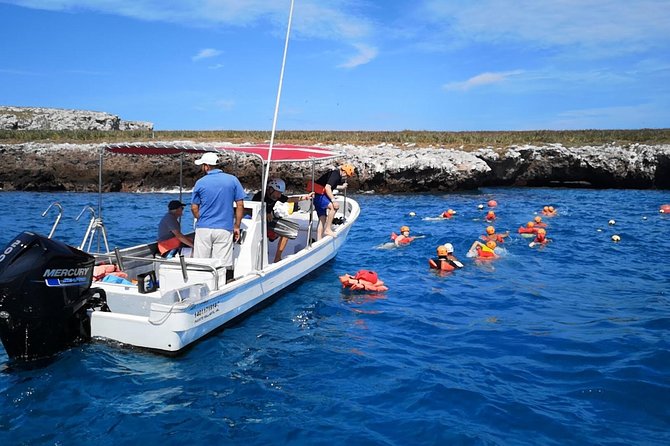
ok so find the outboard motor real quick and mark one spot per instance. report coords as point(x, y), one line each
point(45, 291)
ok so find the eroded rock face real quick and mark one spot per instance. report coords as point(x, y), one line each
point(383, 168)
point(637, 166)
point(38, 118)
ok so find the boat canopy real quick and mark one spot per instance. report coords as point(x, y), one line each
point(280, 152)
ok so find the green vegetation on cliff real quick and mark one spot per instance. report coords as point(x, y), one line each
point(462, 140)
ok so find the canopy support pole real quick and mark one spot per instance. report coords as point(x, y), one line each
point(274, 119)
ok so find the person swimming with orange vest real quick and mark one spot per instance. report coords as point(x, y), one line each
point(403, 238)
point(491, 235)
point(483, 251)
point(364, 280)
point(448, 213)
point(540, 238)
point(490, 216)
point(529, 230)
point(445, 261)
point(549, 211)
point(538, 222)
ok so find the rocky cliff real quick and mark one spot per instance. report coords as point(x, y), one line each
point(38, 118)
point(383, 168)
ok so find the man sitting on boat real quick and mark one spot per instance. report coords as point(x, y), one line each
point(170, 239)
point(275, 194)
point(218, 222)
point(324, 200)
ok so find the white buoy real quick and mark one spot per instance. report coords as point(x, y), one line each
point(616, 238)
point(644, 218)
point(481, 206)
point(611, 222)
point(412, 214)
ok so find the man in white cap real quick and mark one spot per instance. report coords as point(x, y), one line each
point(218, 223)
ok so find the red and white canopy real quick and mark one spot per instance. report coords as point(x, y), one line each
point(280, 152)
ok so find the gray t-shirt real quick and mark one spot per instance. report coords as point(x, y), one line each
point(167, 224)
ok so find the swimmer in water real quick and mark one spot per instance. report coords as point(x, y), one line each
point(483, 251)
point(445, 261)
point(491, 235)
point(448, 213)
point(538, 222)
point(403, 238)
point(540, 238)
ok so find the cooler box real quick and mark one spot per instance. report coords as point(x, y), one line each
point(170, 276)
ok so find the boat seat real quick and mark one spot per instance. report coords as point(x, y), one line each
point(134, 267)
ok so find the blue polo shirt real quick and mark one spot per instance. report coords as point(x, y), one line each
point(215, 193)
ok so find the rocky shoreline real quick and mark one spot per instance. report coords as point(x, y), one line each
point(382, 168)
point(56, 119)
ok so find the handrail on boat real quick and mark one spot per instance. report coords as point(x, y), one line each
point(60, 214)
point(94, 225)
point(183, 262)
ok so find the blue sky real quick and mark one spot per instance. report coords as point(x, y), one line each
point(352, 64)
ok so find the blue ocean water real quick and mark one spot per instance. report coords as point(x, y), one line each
point(563, 345)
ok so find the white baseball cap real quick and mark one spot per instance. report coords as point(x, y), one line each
point(209, 158)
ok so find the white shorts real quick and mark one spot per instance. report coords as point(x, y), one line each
point(214, 244)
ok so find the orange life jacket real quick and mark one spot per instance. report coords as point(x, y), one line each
point(316, 188)
point(364, 280)
point(168, 245)
point(441, 264)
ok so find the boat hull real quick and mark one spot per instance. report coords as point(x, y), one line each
point(171, 327)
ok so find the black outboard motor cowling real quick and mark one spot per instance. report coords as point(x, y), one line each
point(45, 286)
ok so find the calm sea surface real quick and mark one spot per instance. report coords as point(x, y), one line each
point(565, 345)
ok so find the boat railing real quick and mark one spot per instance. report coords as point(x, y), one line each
point(95, 226)
point(185, 265)
point(58, 217)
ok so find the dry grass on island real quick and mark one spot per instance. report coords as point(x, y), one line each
point(454, 140)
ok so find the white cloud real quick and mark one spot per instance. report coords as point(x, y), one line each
point(365, 55)
point(600, 26)
point(206, 54)
point(331, 19)
point(481, 80)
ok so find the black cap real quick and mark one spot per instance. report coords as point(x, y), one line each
point(175, 204)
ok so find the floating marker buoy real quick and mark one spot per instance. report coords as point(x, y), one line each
point(644, 218)
point(611, 222)
point(481, 206)
point(492, 203)
point(412, 214)
point(616, 238)
point(599, 230)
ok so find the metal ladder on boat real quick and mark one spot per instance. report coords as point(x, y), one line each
point(58, 217)
point(95, 227)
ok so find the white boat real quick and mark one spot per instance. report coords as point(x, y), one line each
point(176, 301)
